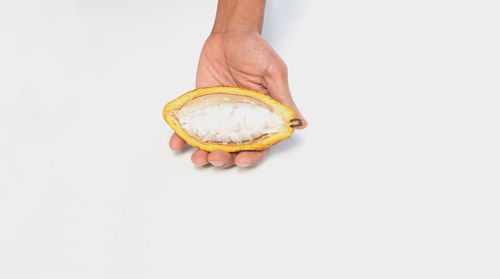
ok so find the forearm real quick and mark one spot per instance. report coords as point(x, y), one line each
point(239, 15)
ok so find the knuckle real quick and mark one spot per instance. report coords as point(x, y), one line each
point(283, 68)
point(278, 69)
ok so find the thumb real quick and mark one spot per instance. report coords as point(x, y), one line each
point(277, 86)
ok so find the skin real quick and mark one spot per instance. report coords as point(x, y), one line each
point(235, 54)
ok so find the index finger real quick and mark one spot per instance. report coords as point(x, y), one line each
point(176, 142)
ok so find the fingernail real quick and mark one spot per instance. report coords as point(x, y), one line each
point(244, 164)
point(218, 164)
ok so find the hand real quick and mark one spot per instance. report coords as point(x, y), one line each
point(242, 59)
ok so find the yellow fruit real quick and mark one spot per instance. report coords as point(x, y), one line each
point(231, 119)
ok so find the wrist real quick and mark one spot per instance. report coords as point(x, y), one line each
point(239, 15)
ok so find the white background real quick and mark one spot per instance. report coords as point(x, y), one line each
point(397, 176)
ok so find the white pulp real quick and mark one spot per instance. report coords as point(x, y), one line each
point(229, 122)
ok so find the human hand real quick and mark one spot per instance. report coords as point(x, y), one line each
point(235, 54)
point(242, 59)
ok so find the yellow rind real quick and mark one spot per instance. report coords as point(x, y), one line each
point(262, 143)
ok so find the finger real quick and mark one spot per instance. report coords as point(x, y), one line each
point(249, 158)
point(176, 142)
point(221, 158)
point(277, 85)
point(200, 157)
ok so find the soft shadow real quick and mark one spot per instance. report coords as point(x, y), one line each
point(281, 147)
point(183, 150)
point(293, 142)
point(204, 167)
point(210, 166)
point(250, 168)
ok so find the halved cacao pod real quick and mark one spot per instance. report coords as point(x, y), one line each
point(230, 119)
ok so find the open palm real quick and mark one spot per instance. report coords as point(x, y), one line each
point(242, 59)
